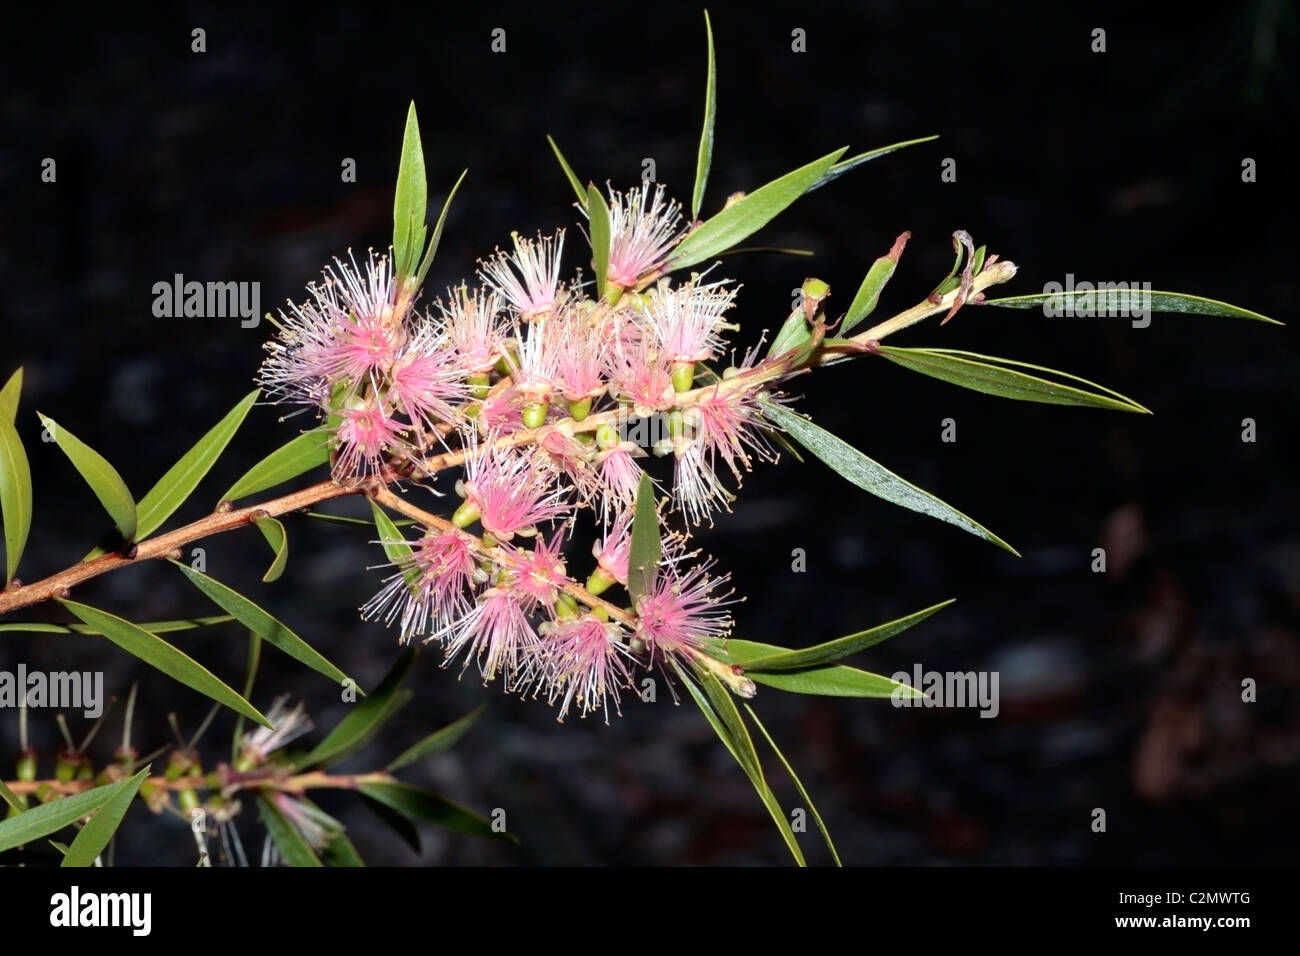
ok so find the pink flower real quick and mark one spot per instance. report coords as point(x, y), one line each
point(681, 613)
point(533, 363)
point(611, 552)
point(535, 577)
point(506, 493)
point(499, 413)
point(687, 320)
point(426, 380)
point(529, 277)
point(316, 826)
point(560, 452)
point(473, 328)
point(584, 662)
point(581, 355)
point(497, 635)
point(696, 488)
point(620, 475)
point(640, 238)
point(641, 373)
point(287, 726)
point(432, 587)
point(365, 433)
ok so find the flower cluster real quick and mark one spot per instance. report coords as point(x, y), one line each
point(552, 395)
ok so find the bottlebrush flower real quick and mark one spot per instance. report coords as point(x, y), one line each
point(495, 633)
point(432, 586)
point(612, 551)
point(364, 434)
point(474, 328)
point(584, 662)
point(506, 493)
point(529, 277)
point(316, 826)
point(426, 381)
point(642, 231)
point(286, 726)
point(534, 577)
point(687, 320)
point(559, 450)
point(581, 355)
point(533, 362)
point(681, 612)
point(641, 373)
point(620, 475)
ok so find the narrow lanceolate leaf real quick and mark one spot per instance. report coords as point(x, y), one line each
point(9, 396)
point(439, 740)
point(1131, 302)
point(705, 154)
point(340, 851)
point(11, 798)
point(156, 652)
point(15, 496)
point(400, 825)
point(430, 252)
point(598, 214)
point(94, 836)
point(293, 847)
point(720, 711)
point(275, 535)
point(856, 468)
point(569, 174)
point(410, 201)
point(832, 651)
point(646, 549)
point(260, 623)
point(365, 719)
point(745, 217)
point(153, 627)
point(103, 479)
point(394, 544)
point(41, 821)
point(295, 457)
point(868, 297)
point(992, 376)
point(839, 169)
point(416, 803)
point(830, 680)
point(162, 500)
point(803, 791)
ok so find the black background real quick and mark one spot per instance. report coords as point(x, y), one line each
point(1119, 691)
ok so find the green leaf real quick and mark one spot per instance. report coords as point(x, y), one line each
point(153, 627)
point(720, 711)
point(292, 845)
point(11, 798)
point(52, 817)
point(182, 478)
point(275, 535)
point(103, 479)
point(744, 218)
point(439, 740)
point(261, 623)
point(416, 803)
point(15, 497)
point(853, 162)
point(395, 545)
point(295, 457)
point(9, 396)
point(598, 213)
point(856, 468)
point(437, 230)
point(868, 296)
point(410, 201)
point(344, 519)
point(99, 829)
point(980, 374)
point(156, 652)
point(340, 851)
point(836, 650)
point(1132, 301)
point(793, 334)
point(803, 791)
point(361, 723)
point(645, 550)
point(250, 678)
point(574, 181)
point(705, 154)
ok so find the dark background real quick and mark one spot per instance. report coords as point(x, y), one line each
point(1118, 691)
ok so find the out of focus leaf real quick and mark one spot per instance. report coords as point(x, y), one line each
point(52, 817)
point(99, 829)
point(365, 719)
point(420, 804)
point(438, 741)
point(293, 847)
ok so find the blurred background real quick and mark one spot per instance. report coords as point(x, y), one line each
point(1119, 691)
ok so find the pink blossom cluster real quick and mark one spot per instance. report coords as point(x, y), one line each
point(544, 390)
